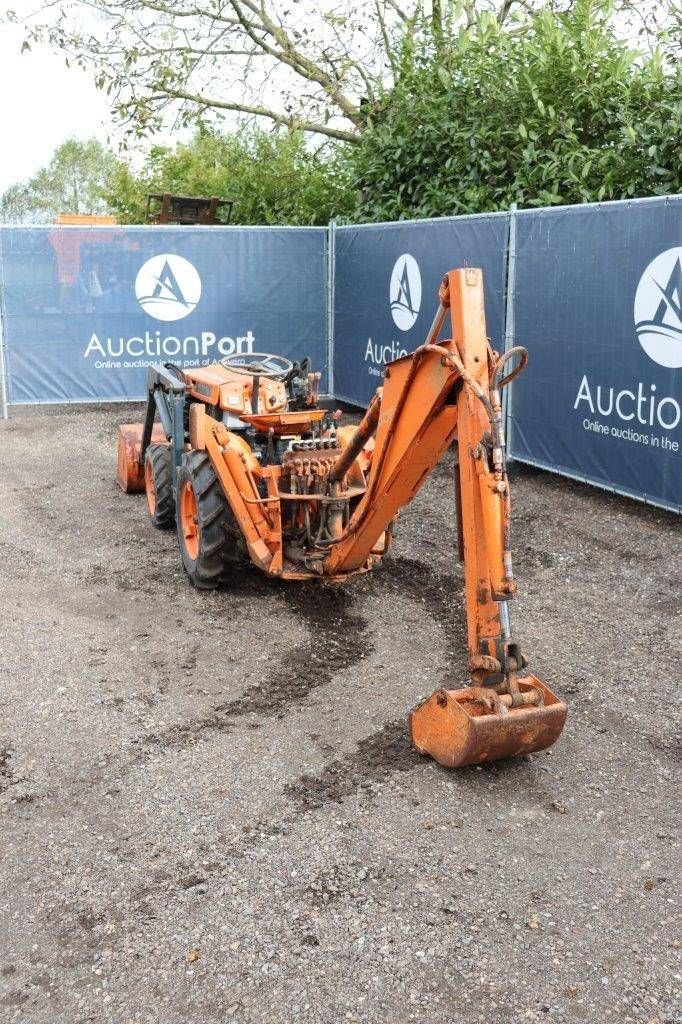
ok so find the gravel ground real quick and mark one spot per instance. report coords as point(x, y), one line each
point(211, 811)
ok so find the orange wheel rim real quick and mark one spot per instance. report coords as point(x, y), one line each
point(189, 520)
point(149, 486)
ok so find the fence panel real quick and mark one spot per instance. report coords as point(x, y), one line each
point(596, 296)
point(597, 301)
point(385, 289)
point(86, 310)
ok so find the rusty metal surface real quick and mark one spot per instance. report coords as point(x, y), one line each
point(358, 440)
point(456, 728)
point(129, 469)
point(298, 422)
point(313, 455)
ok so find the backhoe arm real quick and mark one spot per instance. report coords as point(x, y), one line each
point(441, 392)
point(444, 391)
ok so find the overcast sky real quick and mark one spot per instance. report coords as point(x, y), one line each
point(42, 103)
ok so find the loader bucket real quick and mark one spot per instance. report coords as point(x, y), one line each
point(456, 730)
point(130, 469)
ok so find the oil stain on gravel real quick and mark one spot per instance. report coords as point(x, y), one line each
point(7, 778)
point(337, 639)
point(442, 596)
point(377, 757)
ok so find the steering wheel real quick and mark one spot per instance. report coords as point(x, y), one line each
point(259, 364)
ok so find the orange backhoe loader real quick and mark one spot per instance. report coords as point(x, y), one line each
point(249, 469)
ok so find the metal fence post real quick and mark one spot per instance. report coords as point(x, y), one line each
point(509, 325)
point(331, 262)
point(3, 359)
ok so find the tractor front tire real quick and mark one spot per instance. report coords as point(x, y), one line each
point(158, 485)
point(207, 531)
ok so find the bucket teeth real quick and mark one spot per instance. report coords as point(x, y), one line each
point(460, 727)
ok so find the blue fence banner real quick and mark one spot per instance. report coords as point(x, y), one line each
point(386, 279)
point(87, 310)
point(594, 292)
point(597, 300)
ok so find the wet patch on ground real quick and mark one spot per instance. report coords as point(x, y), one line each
point(377, 757)
point(7, 777)
point(337, 638)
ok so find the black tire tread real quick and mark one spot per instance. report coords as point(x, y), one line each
point(160, 457)
point(219, 549)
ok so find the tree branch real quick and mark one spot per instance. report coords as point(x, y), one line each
point(504, 11)
point(291, 122)
point(290, 55)
point(231, 54)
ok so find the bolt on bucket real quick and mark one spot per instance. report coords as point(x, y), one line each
point(130, 464)
point(459, 727)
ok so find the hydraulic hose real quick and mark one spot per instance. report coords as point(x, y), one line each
point(501, 382)
point(363, 433)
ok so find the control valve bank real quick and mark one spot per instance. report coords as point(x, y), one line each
point(152, 345)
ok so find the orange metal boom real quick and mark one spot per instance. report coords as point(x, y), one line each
point(431, 397)
point(446, 390)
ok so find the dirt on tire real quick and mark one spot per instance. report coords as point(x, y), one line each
point(218, 539)
point(158, 464)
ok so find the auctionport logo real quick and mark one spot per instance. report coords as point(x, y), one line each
point(638, 413)
point(168, 287)
point(658, 309)
point(405, 292)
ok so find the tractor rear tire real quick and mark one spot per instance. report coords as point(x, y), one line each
point(208, 534)
point(158, 485)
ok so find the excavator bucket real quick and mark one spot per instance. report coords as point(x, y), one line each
point(456, 727)
point(130, 467)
